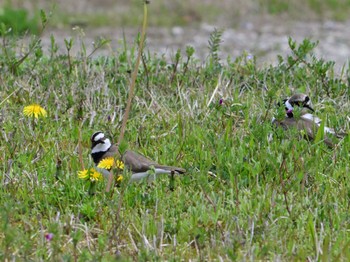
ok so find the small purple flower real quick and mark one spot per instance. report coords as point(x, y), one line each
point(290, 113)
point(250, 57)
point(221, 101)
point(49, 236)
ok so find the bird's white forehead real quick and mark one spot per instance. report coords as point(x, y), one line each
point(99, 137)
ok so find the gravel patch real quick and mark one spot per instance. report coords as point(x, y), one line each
point(264, 39)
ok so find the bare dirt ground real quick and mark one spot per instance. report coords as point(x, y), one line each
point(246, 27)
point(266, 39)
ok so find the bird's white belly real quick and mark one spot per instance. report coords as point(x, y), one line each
point(141, 175)
point(317, 121)
point(135, 177)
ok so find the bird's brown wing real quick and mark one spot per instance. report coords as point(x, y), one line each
point(309, 127)
point(341, 134)
point(136, 162)
point(139, 163)
point(112, 152)
point(311, 130)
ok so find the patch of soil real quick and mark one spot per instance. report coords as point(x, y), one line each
point(265, 39)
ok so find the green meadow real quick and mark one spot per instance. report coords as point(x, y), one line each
point(251, 192)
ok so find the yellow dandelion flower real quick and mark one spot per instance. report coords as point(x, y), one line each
point(120, 179)
point(120, 165)
point(34, 110)
point(83, 174)
point(95, 176)
point(91, 174)
point(107, 163)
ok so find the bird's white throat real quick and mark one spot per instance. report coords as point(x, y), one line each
point(102, 147)
point(288, 105)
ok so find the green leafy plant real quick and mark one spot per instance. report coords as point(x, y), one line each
point(16, 21)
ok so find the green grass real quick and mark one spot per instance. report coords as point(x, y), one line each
point(287, 199)
point(127, 14)
point(306, 10)
point(17, 21)
point(192, 13)
point(25, 19)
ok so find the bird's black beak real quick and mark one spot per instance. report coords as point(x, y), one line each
point(306, 102)
point(309, 107)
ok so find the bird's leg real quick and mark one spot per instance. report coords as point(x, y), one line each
point(172, 181)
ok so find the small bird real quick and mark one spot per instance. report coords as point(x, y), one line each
point(139, 165)
point(307, 121)
point(299, 100)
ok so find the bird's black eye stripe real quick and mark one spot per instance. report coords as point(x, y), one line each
point(95, 143)
point(95, 135)
point(99, 142)
point(294, 104)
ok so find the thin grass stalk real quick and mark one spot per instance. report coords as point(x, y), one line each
point(131, 89)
